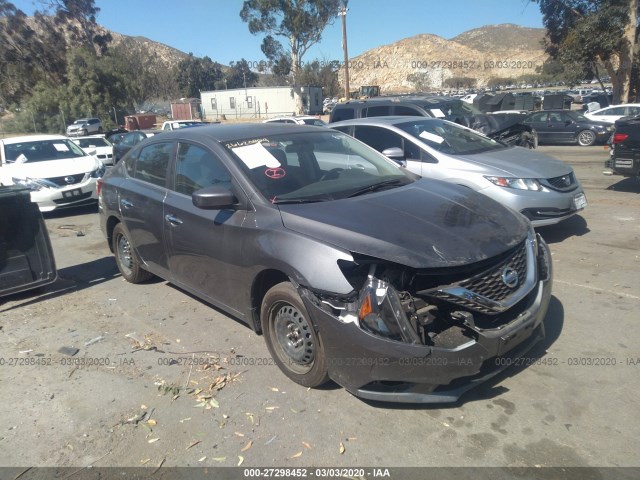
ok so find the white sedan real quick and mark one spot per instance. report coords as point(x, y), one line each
point(98, 146)
point(614, 112)
point(56, 170)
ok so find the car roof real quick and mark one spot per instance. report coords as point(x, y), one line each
point(615, 106)
point(228, 132)
point(386, 120)
point(32, 138)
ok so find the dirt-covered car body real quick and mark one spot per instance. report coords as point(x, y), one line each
point(353, 268)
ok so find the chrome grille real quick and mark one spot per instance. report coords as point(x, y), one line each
point(62, 182)
point(490, 284)
point(563, 182)
point(488, 292)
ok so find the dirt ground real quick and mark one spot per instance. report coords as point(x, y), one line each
point(161, 378)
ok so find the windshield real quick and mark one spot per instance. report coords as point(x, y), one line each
point(314, 121)
point(450, 138)
point(41, 151)
point(314, 166)
point(93, 142)
point(452, 109)
point(80, 122)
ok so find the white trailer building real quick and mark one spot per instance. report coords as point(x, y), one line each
point(258, 102)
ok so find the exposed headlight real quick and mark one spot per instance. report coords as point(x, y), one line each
point(99, 172)
point(34, 184)
point(517, 183)
point(380, 311)
point(610, 128)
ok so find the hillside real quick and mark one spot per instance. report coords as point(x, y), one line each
point(425, 61)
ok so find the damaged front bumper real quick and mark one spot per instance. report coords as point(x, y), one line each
point(452, 349)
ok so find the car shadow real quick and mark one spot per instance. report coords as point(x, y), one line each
point(553, 324)
point(575, 226)
point(71, 211)
point(626, 185)
point(70, 279)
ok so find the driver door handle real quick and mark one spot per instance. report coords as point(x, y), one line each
point(173, 220)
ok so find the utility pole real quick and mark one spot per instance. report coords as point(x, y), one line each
point(343, 14)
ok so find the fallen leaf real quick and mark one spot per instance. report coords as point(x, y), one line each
point(271, 409)
point(225, 416)
point(146, 460)
point(341, 448)
point(299, 454)
point(193, 444)
point(153, 440)
point(306, 444)
point(152, 422)
point(247, 446)
point(143, 407)
point(214, 403)
point(240, 460)
point(202, 459)
point(294, 411)
point(219, 459)
point(185, 419)
point(239, 434)
point(274, 389)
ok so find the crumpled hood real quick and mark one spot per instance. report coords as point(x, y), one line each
point(492, 124)
point(52, 168)
point(428, 224)
point(519, 162)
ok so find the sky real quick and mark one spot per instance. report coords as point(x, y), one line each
point(213, 28)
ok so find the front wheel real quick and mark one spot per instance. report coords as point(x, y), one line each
point(291, 339)
point(586, 138)
point(128, 263)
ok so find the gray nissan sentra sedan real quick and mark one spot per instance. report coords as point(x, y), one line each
point(540, 187)
point(396, 287)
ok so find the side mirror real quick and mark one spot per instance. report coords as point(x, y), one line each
point(568, 122)
point(396, 154)
point(213, 198)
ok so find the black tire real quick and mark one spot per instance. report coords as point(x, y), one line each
point(100, 130)
point(291, 339)
point(586, 138)
point(128, 263)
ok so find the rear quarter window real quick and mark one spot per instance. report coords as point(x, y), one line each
point(340, 114)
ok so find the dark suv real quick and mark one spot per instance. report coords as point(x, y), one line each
point(625, 148)
point(505, 127)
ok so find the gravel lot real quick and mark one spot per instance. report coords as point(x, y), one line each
point(137, 394)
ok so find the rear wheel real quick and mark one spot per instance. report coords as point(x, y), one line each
point(586, 138)
point(128, 263)
point(291, 339)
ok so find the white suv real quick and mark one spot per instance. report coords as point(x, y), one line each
point(56, 170)
point(85, 126)
point(298, 120)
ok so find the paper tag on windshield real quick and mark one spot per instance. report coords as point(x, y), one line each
point(255, 156)
point(61, 147)
point(437, 113)
point(21, 158)
point(431, 137)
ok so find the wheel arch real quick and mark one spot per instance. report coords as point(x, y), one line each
point(264, 281)
point(112, 221)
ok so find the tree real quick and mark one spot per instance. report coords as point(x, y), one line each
point(240, 75)
point(300, 22)
point(321, 73)
point(588, 35)
point(27, 56)
point(460, 82)
point(197, 74)
point(78, 18)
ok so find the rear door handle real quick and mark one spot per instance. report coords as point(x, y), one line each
point(126, 203)
point(173, 220)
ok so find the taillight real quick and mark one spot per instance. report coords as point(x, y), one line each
point(619, 137)
point(98, 186)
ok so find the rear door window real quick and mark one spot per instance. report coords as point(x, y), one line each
point(152, 163)
point(340, 114)
point(378, 111)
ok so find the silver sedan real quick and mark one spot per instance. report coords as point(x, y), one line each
point(540, 187)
